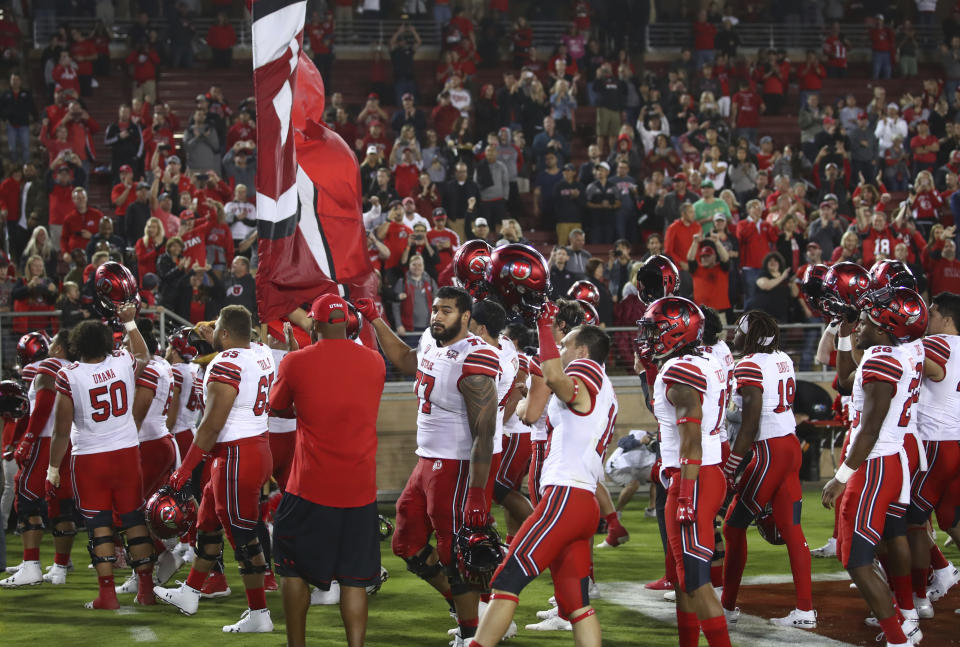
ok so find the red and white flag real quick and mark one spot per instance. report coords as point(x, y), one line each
point(309, 218)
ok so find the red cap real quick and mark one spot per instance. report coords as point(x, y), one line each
point(187, 214)
point(706, 250)
point(325, 307)
point(126, 168)
point(828, 121)
point(373, 95)
point(679, 177)
point(407, 200)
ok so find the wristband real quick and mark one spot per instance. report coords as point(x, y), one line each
point(844, 344)
point(130, 325)
point(732, 463)
point(844, 472)
point(690, 461)
point(686, 420)
point(833, 328)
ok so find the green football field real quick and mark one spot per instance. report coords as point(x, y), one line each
point(406, 612)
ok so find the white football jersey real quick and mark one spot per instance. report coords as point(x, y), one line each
point(939, 404)
point(512, 425)
point(49, 367)
point(186, 377)
point(280, 425)
point(578, 441)
point(509, 367)
point(773, 374)
point(250, 371)
point(102, 397)
point(895, 365)
point(442, 427)
point(706, 376)
point(721, 353)
point(157, 376)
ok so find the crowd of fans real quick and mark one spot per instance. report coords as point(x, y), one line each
point(676, 162)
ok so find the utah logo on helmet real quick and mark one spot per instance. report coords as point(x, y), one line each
point(521, 277)
point(170, 513)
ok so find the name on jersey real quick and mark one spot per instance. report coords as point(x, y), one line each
point(425, 363)
point(264, 364)
point(106, 376)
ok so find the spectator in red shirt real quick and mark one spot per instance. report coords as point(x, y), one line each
point(394, 234)
point(221, 38)
point(444, 115)
point(811, 75)
point(773, 83)
point(219, 243)
point(376, 135)
point(880, 240)
point(319, 35)
point(124, 192)
point(407, 174)
point(680, 235)
point(444, 240)
point(244, 129)
point(80, 130)
point(924, 147)
point(756, 237)
point(745, 109)
point(835, 51)
point(704, 33)
point(882, 44)
point(193, 232)
point(65, 73)
point(60, 184)
point(944, 272)
point(924, 199)
point(84, 51)
point(143, 61)
point(79, 225)
point(149, 247)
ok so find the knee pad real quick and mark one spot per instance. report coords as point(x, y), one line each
point(92, 547)
point(130, 519)
point(136, 541)
point(26, 525)
point(205, 539)
point(740, 516)
point(30, 508)
point(458, 585)
point(56, 532)
point(500, 491)
point(510, 577)
point(104, 518)
point(244, 554)
point(419, 567)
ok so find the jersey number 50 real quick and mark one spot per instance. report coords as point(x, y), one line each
point(114, 405)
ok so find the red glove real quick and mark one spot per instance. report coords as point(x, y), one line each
point(368, 308)
point(180, 477)
point(730, 470)
point(476, 512)
point(548, 315)
point(24, 449)
point(686, 513)
point(50, 490)
point(548, 347)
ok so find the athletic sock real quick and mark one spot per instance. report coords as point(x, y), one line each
point(31, 554)
point(145, 589)
point(892, 630)
point(903, 591)
point(448, 596)
point(937, 560)
point(107, 599)
point(735, 560)
point(918, 577)
point(61, 559)
point(196, 579)
point(800, 565)
point(256, 598)
point(688, 628)
point(613, 521)
point(508, 539)
point(716, 575)
point(715, 630)
point(468, 628)
point(474, 643)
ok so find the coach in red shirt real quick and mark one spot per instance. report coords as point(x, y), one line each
point(327, 527)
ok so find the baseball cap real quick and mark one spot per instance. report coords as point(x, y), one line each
point(62, 168)
point(707, 182)
point(126, 168)
point(173, 159)
point(955, 156)
point(187, 214)
point(862, 114)
point(164, 196)
point(394, 203)
point(439, 212)
point(765, 139)
point(706, 250)
point(826, 203)
point(326, 306)
point(829, 121)
point(604, 165)
point(481, 222)
point(679, 177)
point(58, 88)
point(894, 106)
point(201, 97)
point(407, 200)
point(372, 149)
point(719, 216)
point(406, 96)
point(373, 95)
point(569, 167)
point(831, 165)
point(832, 197)
point(814, 244)
point(376, 122)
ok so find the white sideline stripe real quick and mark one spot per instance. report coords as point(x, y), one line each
point(143, 635)
point(750, 630)
point(126, 610)
point(839, 576)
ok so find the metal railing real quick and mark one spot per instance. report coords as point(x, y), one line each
point(8, 338)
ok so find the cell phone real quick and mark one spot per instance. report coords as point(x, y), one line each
point(202, 177)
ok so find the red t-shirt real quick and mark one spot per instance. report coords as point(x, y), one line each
point(221, 37)
point(927, 205)
point(242, 132)
point(812, 79)
point(444, 256)
point(835, 51)
point(703, 35)
point(881, 39)
point(748, 108)
point(144, 65)
point(334, 463)
point(85, 47)
point(406, 177)
point(945, 276)
point(117, 192)
point(917, 142)
point(195, 241)
point(60, 202)
point(679, 237)
point(878, 242)
point(73, 227)
point(318, 35)
point(396, 242)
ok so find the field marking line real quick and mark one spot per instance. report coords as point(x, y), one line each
point(143, 635)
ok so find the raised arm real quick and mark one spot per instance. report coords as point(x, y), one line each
point(403, 358)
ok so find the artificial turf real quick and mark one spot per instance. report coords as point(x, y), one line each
point(405, 613)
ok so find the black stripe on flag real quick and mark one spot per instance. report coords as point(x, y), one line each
point(285, 228)
point(263, 8)
point(331, 266)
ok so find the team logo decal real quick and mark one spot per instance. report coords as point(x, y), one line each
point(452, 354)
point(437, 465)
point(520, 270)
point(478, 263)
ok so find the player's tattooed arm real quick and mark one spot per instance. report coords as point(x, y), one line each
point(480, 397)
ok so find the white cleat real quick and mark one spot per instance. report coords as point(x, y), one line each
point(732, 616)
point(130, 585)
point(923, 607)
point(29, 574)
point(457, 641)
point(168, 563)
point(184, 597)
point(56, 574)
point(549, 613)
point(871, 621)
point(944, 579)
point(551, 624)
point(670, 596)
point(318, 596)
point(829, 549)
point(511, 631)
point(797, 618)
point(911, 629)
point(552, 600)
point(252, 621)
point(69, 566)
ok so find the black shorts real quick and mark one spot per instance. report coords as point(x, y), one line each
point(320, 544)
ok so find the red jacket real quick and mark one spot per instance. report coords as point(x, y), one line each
point(944, 276)
point(221, 37)
point(144, 65)
point(75, 224)
point(878, 242)
point(756, 240)
point(60, 203)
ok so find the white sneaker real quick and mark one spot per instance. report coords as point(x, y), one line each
point(318, 597)
point(185, 598)
point(457, 641)
point(923, 607)
point(482, 607)
point(29, 574)
point(551, 624)
point(168, 563)
point(797, 618)
point(56, 574)
point(552, 600)
point(69, 566)
point(829, 549)
point(911, 629)
point(943, 580)
point(670, 596)
point(511, 631)
point(871, 621)
point(252, 621)
point(732, 616)
point(130, 585)
point(13, 569)
point(552, 612)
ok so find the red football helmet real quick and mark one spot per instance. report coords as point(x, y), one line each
point(669, 324)
point(590, 316)
point(811, 285)
point(584, 291)
point(893, 273)
point(469, 267)
point(115, 287)
point(521, 276)
point(14, 403)
point(768, 528)
point(32, 347)
point(478, 552)
point(843, 285)
point(657, 278)
point(354, 322)
point(899, 311)
point(181, 342)
point(170, 513)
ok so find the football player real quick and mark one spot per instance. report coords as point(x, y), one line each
point(581, 414)
point(456, 375)
point(766, 383)
point(233, 433)
point(872, 484)
point(94, 398)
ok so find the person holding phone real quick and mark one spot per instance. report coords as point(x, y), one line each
point(774, 291)
point(419, 245)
